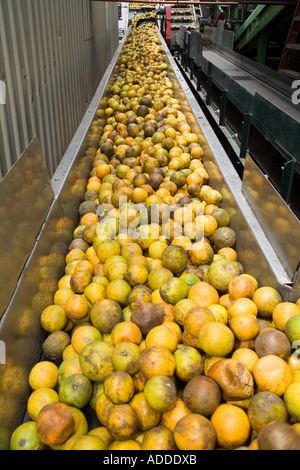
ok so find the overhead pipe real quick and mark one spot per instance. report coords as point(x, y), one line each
point(212, 3)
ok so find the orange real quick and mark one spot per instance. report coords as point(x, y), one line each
point(157, 360)
point(125, 445)
point(266, 298)
point(162, 335)
point(103, 407)
point(82, 335)
point(69, 351)
point(204, 294)
point(241, 286)
point(228, 253)
point(122, 422)
point(55, 423)
point(88, 442)
point(119, 387)
point(54, 318)
point(216, 339)
point(43, 375)
point(194, 432)
point(77, 307)
point(225, 300)
point(282, 312)
point(147, 417)
point(271, 373)
point(245, 326)
point(103, 433)
point(89, 218)
point(62, 295)
point(94, 292)
point(38, 399)
point(171, 418)
point(241, 306)
point(232, 426)
point(75, 253)
point(246, 356)
point(126, 331)
point(84, 265)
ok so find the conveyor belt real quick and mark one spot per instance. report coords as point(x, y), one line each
point(254, 249)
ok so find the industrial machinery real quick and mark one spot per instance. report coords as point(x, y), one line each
point(39, 214)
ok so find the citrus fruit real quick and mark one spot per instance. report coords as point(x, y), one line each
point(282, 312)
point(40, 398)
point(146, 316)
point(194, 432)
point(292, 328)
point(96, 360)
point(55, 344)
point(122, 422)
point(232, 426)
point(203, 294)
point(88, 442)
point(105, 314)
point(234, 379)
point(189, 363)
point(119, 387)
point(126, 357)
point(246, 356)
point(77, 307)
point(44, 374)
point(76, 390)
point(157, 360)
point(195, 318)
point(82, 335)
point(103, 407)
point(162, 335)
point(240, 306)
point(160, 393)
point(265, 407)
point(170, 418)
point(221, 272)
point(119, 291)
point(126, 331)
point(158, 276)
point(272, 341)
point(53, 318)
point(245, 326)
point(291, 400)
point(124, 445)
point(25, 437)
point(271, 373)
point(55, 424)
point(278, 436)
point(173, 290)
point(147, 416)
point(241, 286)
point(266, 298)
point(202, 395)
point(181, 308)
point(158, 438)
point(216, 339)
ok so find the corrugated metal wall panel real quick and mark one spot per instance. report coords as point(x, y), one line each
point(51, 62)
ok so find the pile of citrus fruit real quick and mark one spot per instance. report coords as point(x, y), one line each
point(155, 329)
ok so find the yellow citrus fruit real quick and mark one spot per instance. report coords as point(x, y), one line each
point(40, 398)
point(216, 339)
point(44, 374)
point(84, 334)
